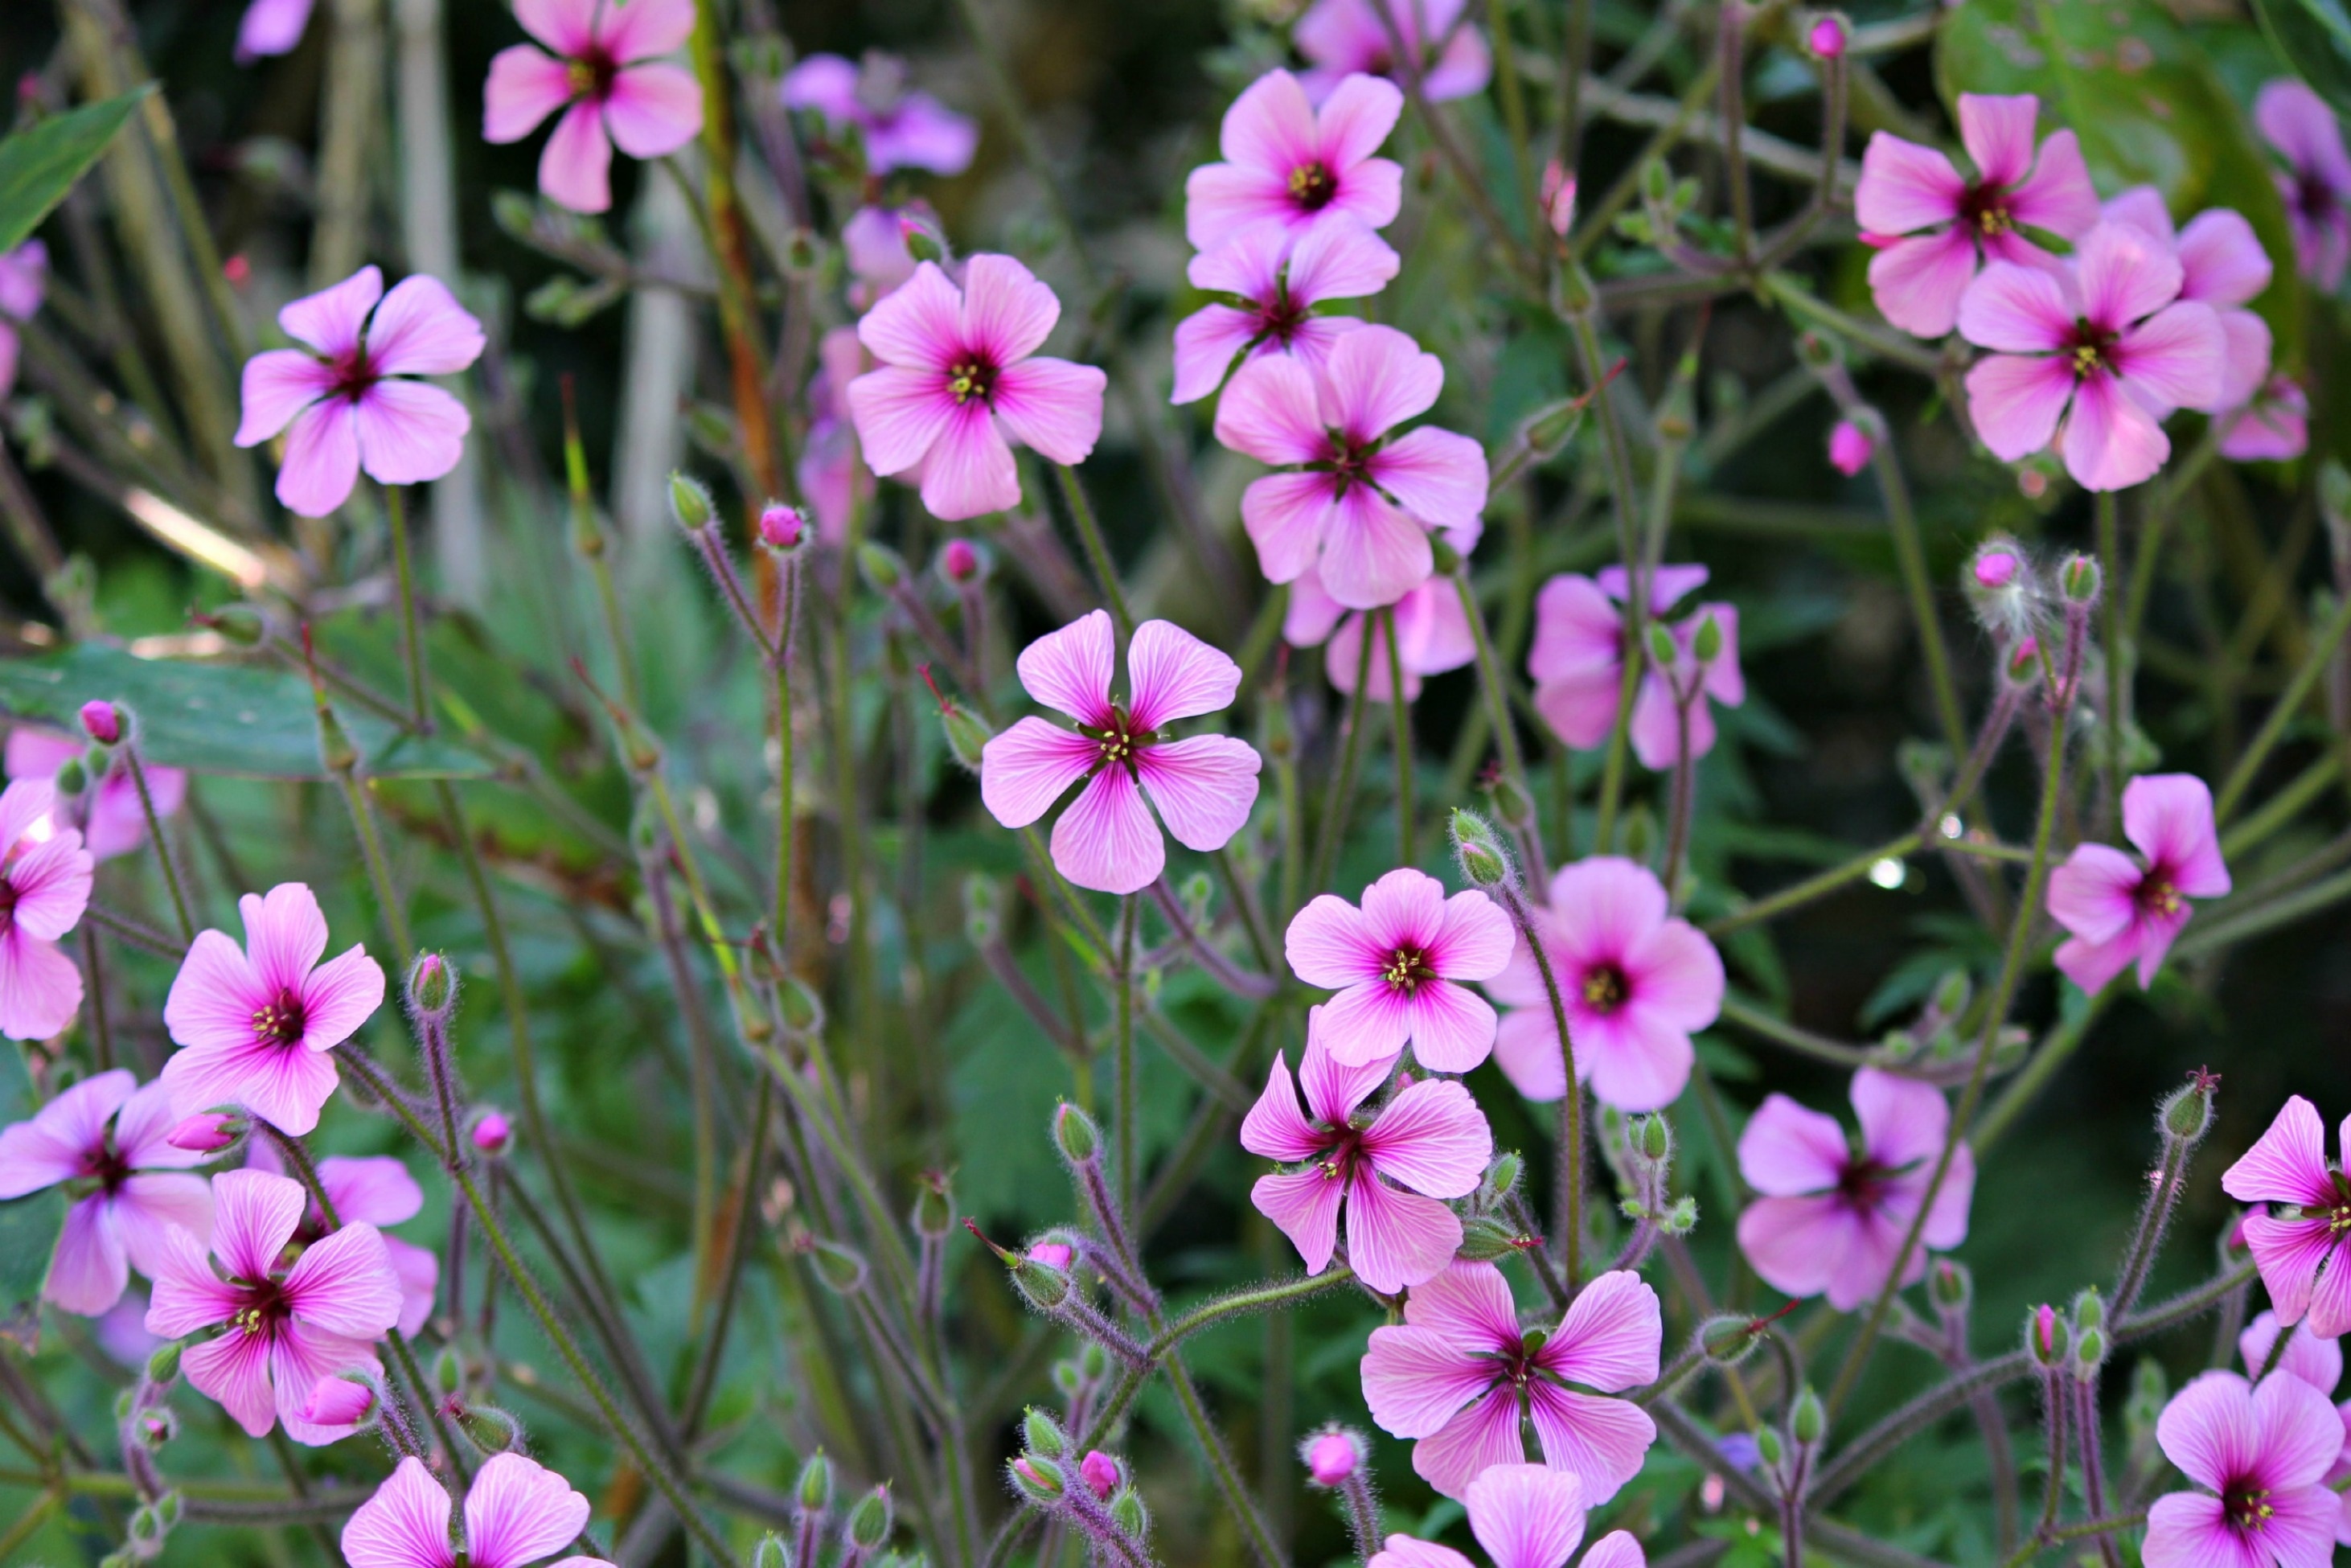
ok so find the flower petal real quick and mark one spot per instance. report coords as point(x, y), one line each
point(344, 1284)
point(1172, 675)
point(1431, 1138)
point(330, 320)
point(900, 412)
point(1787, 1150)
point(1397, 1239)
point(1919, 283)
point(2109, 441)
point(636, 30)
point(1998, 134)
point(1304, 1206)
point(1205, 787)
point(2015, 400)
point(1024, 769)
point(1526, 1516)
point(278, 385)
point(1474, 1441)
point(322, 459)
point(1287, 516)
point(1275, 1128)
point(1006, 313)
point(2124, 274)
point(525, 85)
point(2022, 309)
point(1271, 412)
point(404, 1525)
point(1902, 1121)
point(2180, 357)
point(575, 167)
point(420, 330)
point(1106, 840)
point(1373, 553)
point(1052, 406)
point(1378, 378)
point(1070, 670)
point(2169, 817)
point(2287, 1164)
point(968, 471)
point(1905, 187)
point(1436, 475)
point(1600, 1441)
point(2059, 196)
point(519, 1511)
point(1611, 1335)
point(410, 432)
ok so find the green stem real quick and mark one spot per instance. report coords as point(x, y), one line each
point(1123, 1045)
point(779, 920)
point(155, 836)
point(1570, 1176)
point(1910, 555)
point(379, 870)
point(1220, 1465)
point(1400, 711)
point(1082, 512)
point(412, 641)
point(2314, 665)
point(1813, 887)
point(2110, 556)
point(1342, 791)
point(1262, 1297)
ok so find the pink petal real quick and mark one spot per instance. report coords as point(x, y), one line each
point(1617, 1548)
point(1272, 412)
point(51, 884)
point(2245, 354)
point(2022, 310)
point(1657, 727)
point(420, 330)
point(1438, 477)
point(2295, 1431)
point(62, 1135)
point(1024, 769)
point(1207, 344)
point(1918, 284)
point(1675, 973)
point(40, 990)
point(1303, 1207)
point(1475, 939)
point(1329, 944)
point(1947, 1222)
point(1416, 1379)
point(1474, 1441)
point(284, 1085)
point(1221, 200)
point(1250, 263)
point(1787, 1150)
point(1452, 1028)
point(2124, 274)
point(519, 1511)
point(87, 1271)
point(901, 411)
point(188, 1295)
point(2015, 400)
point(826, 83)
point(345, 1285)
point(1354, 120)
point(1397, 1239)
point(2169, 817)
point(2287, 1164)
point(2299, 124)
point(2290, 1253)
point(1271, 127)
point(2109, 441)
point(2317, 1362)
point(330, 320)
point(2330, 1298)
point(1600, 1441)
point(1636, 1060)
point(338, 996)
point(2059, 196)
point(404, 1525)
point(255, 1214)
point(1286, 515)
point(635, 30)
point(2210, 1431)
point(1603, 904)
point(1526, 1516)
point(2222, 259)
point(969, 470)
point(375, 1190)
point(1470, 1302)
point(575, 167)
point(1335, 261)
point(322, 459)
point(1006, 313)
point(566, 27)
point(1905, 187)
point(285, 935)
point(920, 326)
point(1372, 554)
point(2180, 357)
point(1405, 908)
point(2094, 895)
point(1580, 708)
point(271, 27)
point(1275, 1129)
point(1312, 614)
point(150, 1206)
point(1378, 378)
point(234, 1369)
point(418, 1272)
point(923, 133)
point(24, 802)
point(278, 385)
point(1172, 675)
point(1998, 134)
point(525, 86)
point(410, 432)
point(2142, 207)
point(1205, 787)
point(1797, 1244)
point(1902, 1121)
point(1106, 840)
point(1070, 670)
point(1610, 1337)
point(1433, 1139)
point(301, 1356)
point(214, 996)
point(1335, 1082)
point(1526, 1048)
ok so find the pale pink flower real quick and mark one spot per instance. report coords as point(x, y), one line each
point(605, 68)
point(283, 1329)
point(377, 1190)
point(1558, 197)
point(957, 378)
point(1344, 36)
point(24, 273)
point(1955, 224)
point(2262, 1455)
point(1289, 164)
point(1356, 502)
point(1577, 664)
point(351, 398)
point(1432, 632)
point(2274, 427)
point(256, 1025)
point(1849, 448)
point(2090, 357)
point(1833, 1213)
point(271, 27)
point(45, 876)
point(1459, 1376)
point(517, 1512)
point(1203, 786)
point(901, 128)
point(1398, 965)
point(112, 822)
point(141, 1188)
point(1525, 1516)
point(832, 477)
point(2221, 264)
point(2301, 1252)
point(878, 244)
point(1270, 281)
point(2317, 1362)
point(2316, 183)
point(1636, 982)
point(2121, 911)
point(1389, 1168)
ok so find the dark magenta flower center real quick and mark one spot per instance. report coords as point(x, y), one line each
point(1311, 185)
point(2247, 1504)
point(1339, 1159)
point(1408, 968)
point(106, 1165)
point(2314, 198)
point(1862, 1184)
point(279, 1022)
point(1984, 210)
point(8, 904)
point(261, 1309)
point(1119, 741)
point(2156, 896)
point(353, 376)
point(1605, 989)
point(2091, 350)
point(971, 377)
point(592, 74)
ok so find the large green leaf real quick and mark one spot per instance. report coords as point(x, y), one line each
point(39, 166)
point(29, 1226)
point(217, 718)
point(2314, 36)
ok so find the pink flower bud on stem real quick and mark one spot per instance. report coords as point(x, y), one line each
point(102, 722)
point(210, 1132)
point(1828, 36)
point(493, 1133)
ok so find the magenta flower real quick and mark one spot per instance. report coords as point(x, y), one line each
point(2122, 912)
point(1292, 166)
point(2262, 1454)
point(129, 1187)
point(957, 377)
point(2299, 1249)
point(1356, 501)
point(1459, 1376)
point(377, 1190)
point(1577, 664)
point(2108, 340)
point(1268, 283)
point(1849, 448)
point(256, 1027)
point(604, 67)
point(351, 399)
point(2316, 183)
point(1203, 787)
point(1834, 1214)
point(2221, 264)
point(285, 1328)
point(1398, 965)
point(517, 1512)
point(2274, 427)
point(1525, 1516)
point(24, 272)
point(902, 129)
point(1635, 983)
point(1345, 36)
point(45, 876)
point(1955, 224)
point(1432, 633)
point(271, 27)
point(112, 822)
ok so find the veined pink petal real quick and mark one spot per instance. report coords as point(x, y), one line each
point(2058, 196)
point(330, 320)
point(2221, 260)
point(2109, 441)
point(901, 411)
point(284, 1085)
point(2124, 274)
point(1272, 412)
point(1902, 1121)
point(150, 1205)
point(920, 325)
point(1601, 1441)
point(519, 1511)
point(575, 167)
point(1335, 261)
point(1405, 908)
point(285, 935)
point(1222, 200)
point(1335, 1084)
point(338, 996)
point(1172, 674)
point(1789, 1150)
point(1484, 1434)
point(1452, 1027)
point(2290, 1254)
point(566, 27)
point(1905, 187)
point(1636, 1060)
point(1052, 406)
point(302, 1356)
point(1431, 1138)
point(2178, 356)
point(635, 30)
point(254, 1216)
point(2024, 310)
point(418, 1271)
point(2169, 817)
point(51, 885)
point(1006, 313)
point(1918, 283)
point(1797, 1244)
point(2142, 207)
point(375, 1190)
point(1372, 554)
point(2094, 895)
point(1405, 1552)
point(234, 1369)
point(1205, 787)
point(1024, 769)
point(1526, 1516)
point(214, 996)
point(2299, 124)
point(54, 1146)
point(1207, 344)
point(40, 990)
point(2093, 965)
point(1436, 475)
point(1328, 944)
point(525, 85)
point(344, 1283)
point(1580, 708)
point(1394, 1238)
point(2209, 1429)
point(2016, 400)
point(1617, 1548)
point(410, 432)
point(1275, 1128)
point(1675, 973)
point(968, 471)
point(1304, 1206)
point(2317, 1362)
point(1370, 193)
point(2287, 1164)
point(1354, 120)
point(1997, 131)
point(420, 330)
point(1578, 630)
point(87, 1269)
point(1287, 516)
point(1271, 127)
point(278, 385)
point(2244, 363)
point(1416, 1379)
point(1106, 840)
point(404, 1525)
point(1526, 1048)
point(1070, 670)
point(188, 1295)
point(1610, 1336)
point(1378, 378)
point(322, 459)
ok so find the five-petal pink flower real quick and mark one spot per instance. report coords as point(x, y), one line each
point(2123, 911)
point(2262, 1455)
point(1399, 964)
point(1344, 36)
point(113, 823)
point(1289, 164)
point(517, 1512)
point(2304, 1254)
point(376, 1189)
point(2316, 182)
point(1577, 662)
point(901, 127)
point(2275, 427)
point(1268, 282)
point(605, 68)
point(45, 876)
point(1525, 1516)
point(1203, 787)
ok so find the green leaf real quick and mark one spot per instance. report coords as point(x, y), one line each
point(39, 166)
point(2313, 37)
point(237, 719)
point(29, 1226)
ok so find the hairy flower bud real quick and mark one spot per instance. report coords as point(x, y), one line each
point(1513, 804)
point(489, 1428)
point(163, 1365)
point(1663, 653)
point(1501, 1179)
point(782, 529)
point(1808, 1420)
point(1727, 1339)
point(934, 1211)
point(71, 779)
point(2089, 1352)
point(102, 722)
point(210, 1132)
point(869, 1520)
point(432, 987)
point(1769, 1447)
point(1484, 861)
point(2080, 580)
point(1101, 1473)
point(2089, 1310)
point(1485, 1239)
point(2045, 1336)
point(1094, 1362)
point(772, 1552)
point(1128, 1513)
point(1334, 1455)
point(448, 1371)
point(242, 624)
point(1828, 36)
point(1076, 1135)
point(812, 1492)
point(344, 1399)
point(1042, 1434)
point(690, 506)
point(882, 567)
point(1706, 643)
point(1949, 1285)
point(2186, 1112)
point(961, 563)
point(1037, 1480)
point(492, 1133)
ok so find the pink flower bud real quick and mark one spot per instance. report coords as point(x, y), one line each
point(1099, 1472)
point(1829, 38)
point(339, 1401)
point(782, 527)
point(1849, 448)
point(1558, 198)
point(1333, 1457)
point(237, 269)
point(207, 1132)
point(101, 723)
point(493, 1132)
point(959, 561)
point(1996, 569)
point(1052, 1254)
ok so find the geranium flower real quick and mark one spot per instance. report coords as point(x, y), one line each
point(2262, 1454)
point(256, 1025)
point(1635, 981)
point(605, 67)
point(350, 399)
point(1577, 662)
point(1525, 1516)
point(1389, 1169)
point(376, 1190)
point(1459, 1376)
point(1203, 787)
point(516, 1512)
point(2301, 1250)
point(957, 377)
point(271, 27)
point(1288, 164)
point(901, 128)
point(2319, 1363)
point(137, 1188)
point(24, 272)
point(1955, 224)
point(2090, 357)
point(1270, 282)
point(1344, 36)
point(2316, 183)
point(45, 876)
point(1398, 965)
point(1432, 630)
point(284, 1328)
point(2221, 264)
point(1832, 1214)
point(1357, 502)
point(2274, 427)
point(2121, 912)
point(113, 820)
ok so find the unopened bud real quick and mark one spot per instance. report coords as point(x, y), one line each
point(2080, 580)
point(432, 986)
point(934, 1214)
point(209, 1132)
point(1769, 1447)
point(968, 735)
point(1558, 198)
point(882, 567)
point(1728, 1340)
point(2045, 1336)
point(690, 506)
point(1949, 1285)
point(2187, 1115)
point(801, 1008)
point(1651, 1138)
point(101, 722)
point(1052, 1254)
point(781, 529)
point(336, 751)
point(1333, 1455)
point(493, 1133)
point(1829, 38)
point(1094, 1362)
point(342, 1400)
point(241, 624)
point(1076, 1135)
point(1817, 351)
point(156, 1428)
point(1484, 861)
point(812, 1493)
point(1042, 1434)
point(489, 1428)
point(1128, 1513)
point(960, 562)
point(1706, 643)
point(1037, 1480)
point(163, 1365)
point(869, 1518)
point(71, 779)
point(840, 1268)
point(2089, 1352)
point(1101, 1473)
point(1663, 653)
point(921, 244)
point(2089, 1310)
point(1996, 566)
point(1501, 1180)
point(1807, 1421)
point(2024, 661)
point(1485, 1239)
point(772, 1552)
point(1513, 804)
point(448, 1371)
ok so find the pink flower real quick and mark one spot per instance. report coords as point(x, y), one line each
point(1577, 664)
point(2316, 183)
point(376, 1190)
point(1849, 448)
point(517, 1512)
point(1635, 982)
point(1428, 1142)
point(1269, 282)
point(2121, 912)
point(2319, 1363)
point(2221, 264)
point(140, 1189)
point(271, 27)
point(1833, 1216)
point(1344, 36)
point(2301, 1253)
point(285, 1328)
point(256, 1025)
point(830, 476)
point(112, 822)
point(1525, 1516)
point(2262, 1454)
point(2274, 427)
point(1432, 631)
point(350, 399)
point(1099, 1472)
point(957, 378)
point(1459, 1376)
point(2108, 337)
point(901, 128)
point(1558, 198)
point(45, 876)
point(23, 272)
point(1905, 189)
point(1398, 965)
point(1203, 787)
point(1288, 164)
point(1356, 501)
point(604, 67)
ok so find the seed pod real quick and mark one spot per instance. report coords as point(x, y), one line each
point(840, 1268)
point(1484, 861)
point(489, 1428)
point(1807, 1421)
